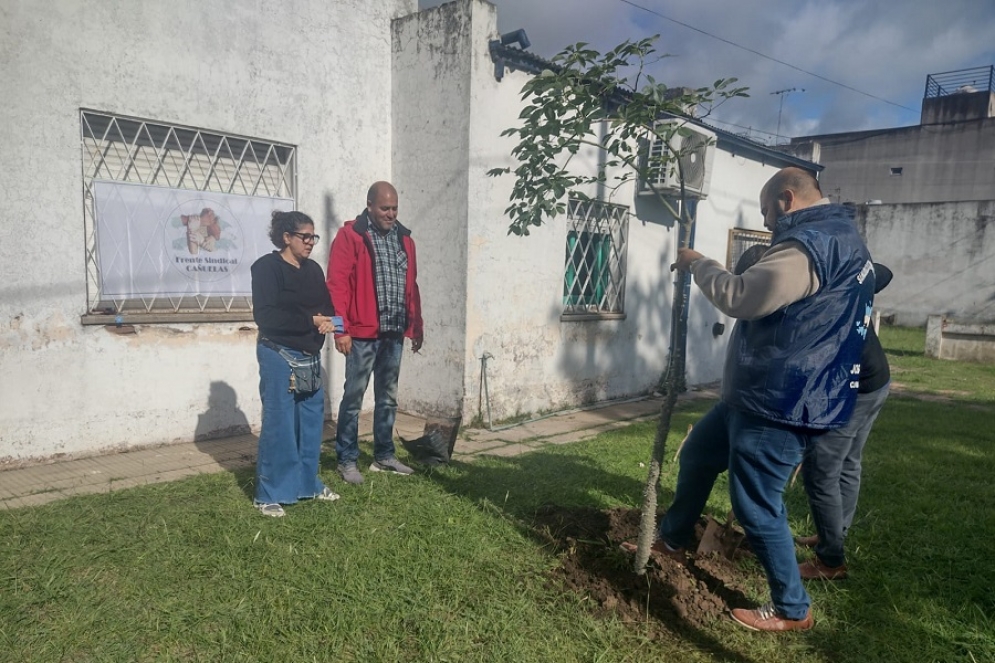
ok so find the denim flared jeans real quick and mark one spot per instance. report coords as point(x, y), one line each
point(831, 472)
point(290, 439)
point(380, 358)
point(760, 456)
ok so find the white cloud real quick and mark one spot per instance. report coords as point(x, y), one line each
point(880, 49)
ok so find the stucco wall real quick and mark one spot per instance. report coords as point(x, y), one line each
point(733, 202)
point(308, 73)
point(942, 256)
point(515, 284)
point(431, 105)
point(938, 162)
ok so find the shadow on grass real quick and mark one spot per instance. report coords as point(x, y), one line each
point(898, 352)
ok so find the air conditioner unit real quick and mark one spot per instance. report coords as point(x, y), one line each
point(694, 146)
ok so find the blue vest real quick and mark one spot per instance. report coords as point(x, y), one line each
point(801, 364)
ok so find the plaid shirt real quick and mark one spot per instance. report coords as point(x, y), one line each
point(390, 272)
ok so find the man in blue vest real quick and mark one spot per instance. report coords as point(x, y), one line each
point(790, 374)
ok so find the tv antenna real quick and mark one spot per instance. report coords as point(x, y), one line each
point(781, 94)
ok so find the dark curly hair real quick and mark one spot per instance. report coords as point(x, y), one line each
point(286, 222)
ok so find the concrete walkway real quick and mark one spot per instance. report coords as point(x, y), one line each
point(46, 482)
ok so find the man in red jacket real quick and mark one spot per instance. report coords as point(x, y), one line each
point(372, 279)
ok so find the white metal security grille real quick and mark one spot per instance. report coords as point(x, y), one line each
point(126, 149)
point(594, 279)
point(741, 239)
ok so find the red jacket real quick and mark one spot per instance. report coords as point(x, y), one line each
point(350, 281)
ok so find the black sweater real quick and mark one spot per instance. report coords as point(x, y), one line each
point(284, 300)
point(874, 370)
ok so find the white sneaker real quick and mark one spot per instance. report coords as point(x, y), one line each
point(271, 510)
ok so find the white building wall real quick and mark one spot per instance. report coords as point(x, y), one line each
point(515, 284)
point(431, 104)
point(363, 98)
point(733, 202)
point(540, 362)
point(307, 73)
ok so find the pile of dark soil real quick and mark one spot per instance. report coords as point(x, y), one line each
point(671, 595)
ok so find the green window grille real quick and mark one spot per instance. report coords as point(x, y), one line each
point(594, 276)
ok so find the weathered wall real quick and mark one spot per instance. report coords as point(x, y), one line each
point(942, 256)
point(733, 202)
point(431, 106)
point(311, 73)
point(950, 339)
point(939, 163)
point(515, 284)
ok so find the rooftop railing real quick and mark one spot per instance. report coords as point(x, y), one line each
point(977, 79)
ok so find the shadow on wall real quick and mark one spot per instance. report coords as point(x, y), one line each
point(330, 226)
point(223, 418)
point(597, 349)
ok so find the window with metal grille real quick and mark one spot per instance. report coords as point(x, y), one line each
point(594, 280)
point(741, 239)
point(120, 149)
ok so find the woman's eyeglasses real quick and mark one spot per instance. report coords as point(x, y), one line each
point(307, 237)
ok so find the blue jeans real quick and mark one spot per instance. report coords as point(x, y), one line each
point(760, 456)
point(382, 359)
point(831, 472)
point(290, 439)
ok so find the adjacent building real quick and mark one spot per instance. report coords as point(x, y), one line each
point(925, 198)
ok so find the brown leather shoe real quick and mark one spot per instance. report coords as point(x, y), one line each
point(658, 547)
point(807, 541)
point(814, 569)
point(765, 618)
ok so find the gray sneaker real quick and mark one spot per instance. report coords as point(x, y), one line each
point(350, 473)
point(391, 465)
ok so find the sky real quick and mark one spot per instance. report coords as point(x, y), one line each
point(852, 64)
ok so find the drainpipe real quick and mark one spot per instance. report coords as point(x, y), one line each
point(483, 381)
point(678, 327)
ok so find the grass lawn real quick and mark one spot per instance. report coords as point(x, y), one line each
point(445, 567)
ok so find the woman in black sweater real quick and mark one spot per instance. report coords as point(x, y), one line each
point(293, 311)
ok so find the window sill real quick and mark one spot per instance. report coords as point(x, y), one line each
point(589, 317)
point(164, 318)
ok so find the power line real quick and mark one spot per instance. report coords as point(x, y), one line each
point(764, 55)
point(712, 120)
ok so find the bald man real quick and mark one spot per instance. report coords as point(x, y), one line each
point(790, 375)
point(372, 278)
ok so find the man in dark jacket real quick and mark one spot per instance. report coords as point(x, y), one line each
point(803, 312)
point(832, 465)
point(372, 279)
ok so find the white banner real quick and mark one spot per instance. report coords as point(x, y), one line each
point(153, 241)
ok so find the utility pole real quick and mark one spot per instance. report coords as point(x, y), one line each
point(780, 107)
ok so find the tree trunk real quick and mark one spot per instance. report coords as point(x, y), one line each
point(673, 385)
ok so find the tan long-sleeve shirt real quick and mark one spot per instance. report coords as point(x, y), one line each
point(784, 275)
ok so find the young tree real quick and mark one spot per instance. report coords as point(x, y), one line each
point(564, 104)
